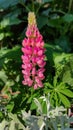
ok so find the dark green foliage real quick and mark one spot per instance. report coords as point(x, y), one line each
point(55, 22)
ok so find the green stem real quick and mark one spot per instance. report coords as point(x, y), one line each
point(32, 5)
point(70, 5)
point(21, 2)
point(38, 9)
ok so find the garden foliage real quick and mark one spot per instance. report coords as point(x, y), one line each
point(55, 22)
point(54, 119)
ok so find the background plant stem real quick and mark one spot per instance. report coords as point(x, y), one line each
point(70, 5)
point(33, 5)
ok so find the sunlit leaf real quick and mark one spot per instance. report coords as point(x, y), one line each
point(64, 100)
point(3, 124)
point(3, 76)
point(67, 92)
point(10, 106)
point(9, 21)
point(1, 36)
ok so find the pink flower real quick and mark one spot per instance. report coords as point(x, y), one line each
point(33, 55)
point(41, 75)
point(26, 72)
point(34, 60)
point(26, 59)
point(40, 52)
point(38, 81)
point(35, 51)
point(35, 86)
point(27, 50)
point(33, 71)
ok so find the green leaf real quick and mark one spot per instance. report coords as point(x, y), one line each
point(64, 100)
point(68, 76)
point(10, 106)
point(67, 92)
point(60, 60)
point(68, 72)
point(15, 122)
point(30, 99)
point(51, 52)
point(9, 21)
point(3, 124)
point(3, 76)
point(44, 107)
point(51, 97)
point(33, 106)
point(44, 20)
point(1, 36)
point(14, 53)
point(63, 42)
point(61, 86)
point(56, 99)
point(4, 4)
point(4, 23)
point(49, 85)
point(14, 13)
point(54, 22)
point(38, 104)
point(68, 18)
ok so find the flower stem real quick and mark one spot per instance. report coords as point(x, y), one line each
point(22, 3)
point(70, 5)
point(33, 5)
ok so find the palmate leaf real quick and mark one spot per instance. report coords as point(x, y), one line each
point(64, 100)
point(67, 92)
point(61, 86)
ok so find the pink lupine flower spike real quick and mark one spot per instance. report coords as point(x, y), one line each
point(33, 55)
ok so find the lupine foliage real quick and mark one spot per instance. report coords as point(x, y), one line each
point(55, 23)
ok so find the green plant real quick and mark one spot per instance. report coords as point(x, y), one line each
point(58, 85)
point(54, 119)
point(55, 21)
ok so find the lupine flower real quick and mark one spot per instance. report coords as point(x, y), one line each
point(33, 55)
